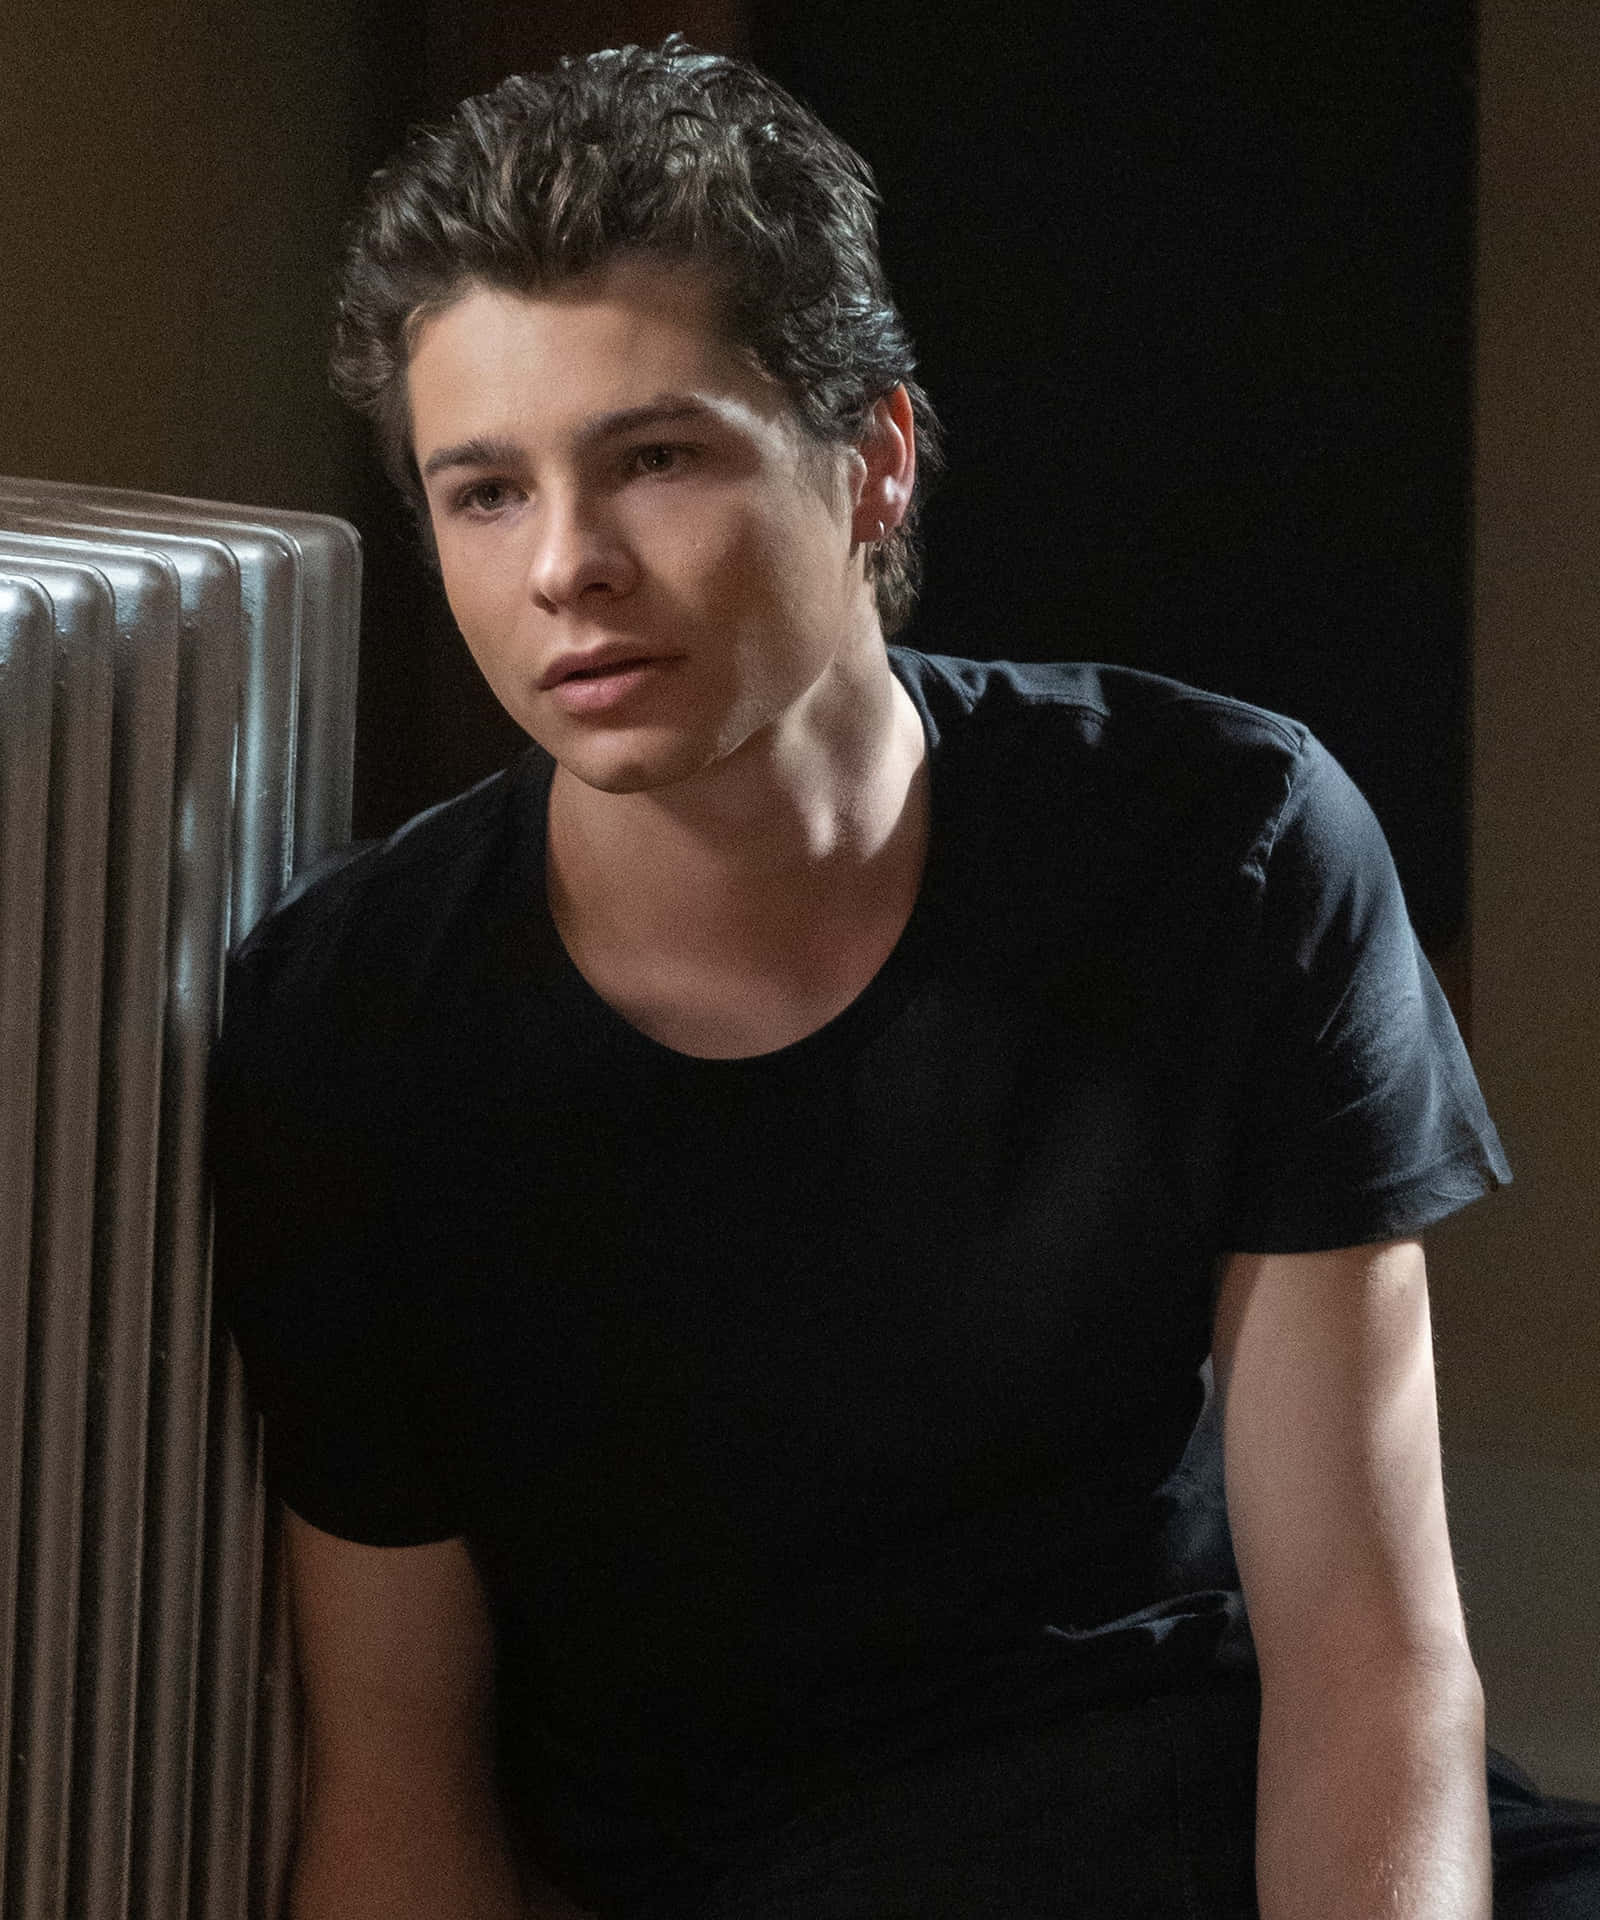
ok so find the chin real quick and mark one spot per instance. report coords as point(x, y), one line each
point(622, 771)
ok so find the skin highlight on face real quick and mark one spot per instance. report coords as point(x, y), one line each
point(652, 563)
point(609, 480)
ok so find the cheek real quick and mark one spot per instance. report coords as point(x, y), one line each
point(768, 566)
point(477, 600)
point(489, 638)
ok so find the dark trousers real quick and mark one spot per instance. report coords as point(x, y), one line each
point(1141, 1812)
point(1546, 1852)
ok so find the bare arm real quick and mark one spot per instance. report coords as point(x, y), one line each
point(1370, 1797)
point(400, 1820)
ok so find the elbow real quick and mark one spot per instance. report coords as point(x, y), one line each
point(1432, 1686)
point(1459, 1688)
point(1360, 1642)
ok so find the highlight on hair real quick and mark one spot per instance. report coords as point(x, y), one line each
point(669, 152)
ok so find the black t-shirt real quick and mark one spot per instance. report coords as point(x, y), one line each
point(798, 1408)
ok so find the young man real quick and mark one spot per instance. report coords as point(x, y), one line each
point(727, 1220)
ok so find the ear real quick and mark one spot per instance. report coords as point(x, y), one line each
point(887, 469)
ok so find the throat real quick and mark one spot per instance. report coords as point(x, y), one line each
point(738, 942)
point(725, 971)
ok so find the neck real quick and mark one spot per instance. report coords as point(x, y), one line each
point(791, 815)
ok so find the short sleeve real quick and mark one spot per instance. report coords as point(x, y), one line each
point(1360, 1118)
point(332, 1331)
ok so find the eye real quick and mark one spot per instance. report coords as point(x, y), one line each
point(659, 458)
point(482, 499)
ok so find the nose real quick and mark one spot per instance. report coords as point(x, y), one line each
point(577, 553)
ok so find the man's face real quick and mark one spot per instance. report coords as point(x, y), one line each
point(652, 568)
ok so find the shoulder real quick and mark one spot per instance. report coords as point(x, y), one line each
point(1121, 714)
point(349, 955)
point(1141, 754)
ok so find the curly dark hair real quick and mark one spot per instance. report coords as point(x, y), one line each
point(671, 152)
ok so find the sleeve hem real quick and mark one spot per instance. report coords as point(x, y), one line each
point(365, 1529)
point(1392, 1211)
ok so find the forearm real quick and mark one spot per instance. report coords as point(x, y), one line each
point(1371, 1799)
point(429, 1860)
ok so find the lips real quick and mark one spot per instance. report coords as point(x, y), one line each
point(600, 683)
point(603, 661)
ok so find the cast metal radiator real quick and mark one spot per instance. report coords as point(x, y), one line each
point(177, 696)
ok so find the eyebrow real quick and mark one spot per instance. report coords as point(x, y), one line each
point(495, 450)
point(483, 450)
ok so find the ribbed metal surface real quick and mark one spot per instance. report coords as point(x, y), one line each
point(199, 681)
point(144, 729)
point(300, 585)
point(53, 1333)
point(26, 624)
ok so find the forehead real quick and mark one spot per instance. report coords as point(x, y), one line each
point(496, 363)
